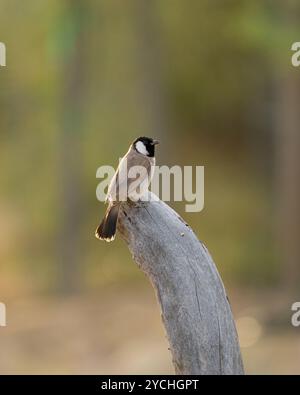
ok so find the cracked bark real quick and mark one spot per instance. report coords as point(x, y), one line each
point(195, 309)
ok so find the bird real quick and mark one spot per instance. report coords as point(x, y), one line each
point(124, 185)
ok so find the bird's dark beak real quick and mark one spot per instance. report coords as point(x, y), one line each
point(155, 142)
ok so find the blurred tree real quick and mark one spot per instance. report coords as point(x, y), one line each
point(288, 176)
point(287, 156)
point(72, 55)
point(149, 58)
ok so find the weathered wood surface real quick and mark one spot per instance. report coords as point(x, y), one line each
point(195, 309)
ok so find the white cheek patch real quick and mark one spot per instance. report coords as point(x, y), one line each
point(140, 147)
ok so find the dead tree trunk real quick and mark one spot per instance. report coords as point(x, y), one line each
point(195, 309)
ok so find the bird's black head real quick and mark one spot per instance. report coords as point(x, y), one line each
point(145, 146)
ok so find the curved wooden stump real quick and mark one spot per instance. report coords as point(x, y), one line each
point(195, 309)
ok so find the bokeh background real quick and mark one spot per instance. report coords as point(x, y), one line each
point(213, 81)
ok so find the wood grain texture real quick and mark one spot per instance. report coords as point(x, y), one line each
point(195, 309)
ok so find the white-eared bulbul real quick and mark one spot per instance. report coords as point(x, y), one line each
point(126, 185)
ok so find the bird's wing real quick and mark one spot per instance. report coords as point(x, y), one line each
point(118, 181)
point(121, 185)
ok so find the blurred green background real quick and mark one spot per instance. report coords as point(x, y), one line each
point(213, 81)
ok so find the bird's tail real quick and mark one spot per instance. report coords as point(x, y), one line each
point(107, 229)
